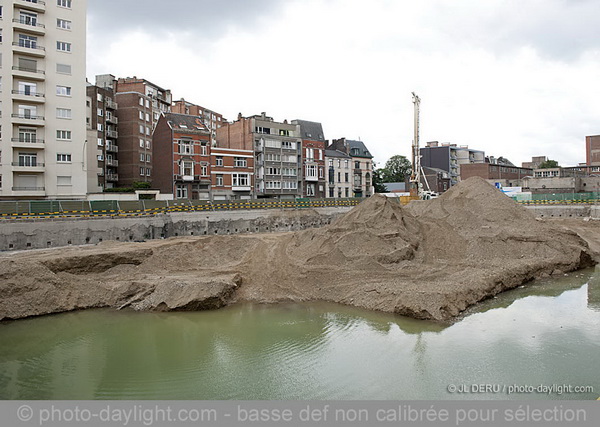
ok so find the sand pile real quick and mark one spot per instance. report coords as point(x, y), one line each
point(429, 260)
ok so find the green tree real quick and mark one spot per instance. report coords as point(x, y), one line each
point(396, 169)
point(378, 181)
point(549, 164)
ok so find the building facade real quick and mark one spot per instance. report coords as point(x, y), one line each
point(232, 174)
point(592, 150)
point(361, 165)
point(277, 153)
point(103, 149)
point(141, 104)
point(211, 119)
point(450, 158)
point(182, 154)
point(313, 158)
point(43, 98)
point(338, 174)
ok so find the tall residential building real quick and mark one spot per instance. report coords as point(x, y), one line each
point(211, 119)
point(43, 98)
point(140, 106)
point(592, 150)
point(449, 157)
point(103, 151)
point(338, 174)
point(361, 165)
point(313, 158)
point(182, 157)
point(277, 153)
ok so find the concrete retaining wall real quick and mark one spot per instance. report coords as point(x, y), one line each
point(570, 211)
point(49, 233)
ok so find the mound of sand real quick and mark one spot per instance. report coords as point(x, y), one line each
point(428, 260)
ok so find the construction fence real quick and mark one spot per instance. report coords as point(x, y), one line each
point(113, 208)
point(558, 198)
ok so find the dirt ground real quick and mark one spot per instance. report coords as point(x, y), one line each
point(430, 260)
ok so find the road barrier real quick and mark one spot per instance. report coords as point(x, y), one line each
point(112, 208)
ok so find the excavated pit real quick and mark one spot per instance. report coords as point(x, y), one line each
point(430, 260)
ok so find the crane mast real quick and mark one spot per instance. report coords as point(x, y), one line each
point(416, 189)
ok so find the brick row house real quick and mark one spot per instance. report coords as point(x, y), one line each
point(232, 174)
point(313, 158)
point(182, 157)
point(361, 165)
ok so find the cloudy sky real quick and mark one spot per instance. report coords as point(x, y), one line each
point(516, 78)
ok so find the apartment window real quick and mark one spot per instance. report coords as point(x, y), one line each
point(339, 177)
point(64, 135)
point(63, 3)
point(148, 130)
point(100, 158)
point(331, 191)
point(204, 170)
point(27, 135)
point(321, 173)
point(271, 143)
point(289, 171)
point(100, 127)
point(289, 145)
point(147, 145)
point(63, 158)
point(330, 163)
point(260, 129)
point(63, 46)
point(290, 185)
point(142, 157)
point(182, 191)
point(148, 171)
point(185, 147)
point(320, 154)
point(63, 69)
point(100, 142)
point(63, 24)
point(142, 129)
point(186, 167)
point(310, 190)
point(141, 143)
point(272, 157)
point(310, 153)
point(63, 181)
point(240, 162)
point(147, 103)
point(240, 180)
point(289, 159)
point(273, 185)
point(346, 164)
point(347, 178)
point(219, 161)
point(219, 180)
point(27, 41)
point(27, 159)
point(147, 117)
point(356, 165)
point(63, 113)
point(141, 114)
point(142, 102)
point(311, 171)
point(273, 171)
point(147, 158)
point(347, 192)
point(142, 171)
point(283, 132)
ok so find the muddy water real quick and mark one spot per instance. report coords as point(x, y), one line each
point(547, 333)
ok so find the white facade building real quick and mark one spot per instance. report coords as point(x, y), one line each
point(43, 99)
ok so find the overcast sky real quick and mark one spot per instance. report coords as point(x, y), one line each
point(515, 78)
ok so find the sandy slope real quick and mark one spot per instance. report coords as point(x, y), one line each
point(430, 260)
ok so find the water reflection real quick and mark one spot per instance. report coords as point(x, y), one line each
point(545, 333)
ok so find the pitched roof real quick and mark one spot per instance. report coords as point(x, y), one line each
point(358, 149)
point(186, 123)
point(310, 130)
point(336, 153)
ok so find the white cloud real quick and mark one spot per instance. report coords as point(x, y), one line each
point(484, 80)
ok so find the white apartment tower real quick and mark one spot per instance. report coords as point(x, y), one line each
point(43, 99)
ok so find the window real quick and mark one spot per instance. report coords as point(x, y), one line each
point(142, 157)
point(63, 113)
point(63, 135)
point(142, 102)
point(147, 145)
point(310, 154)
point(269, 157)
point(273, 171)
point(186, 168)
point(100, 142)
point(347, 178)
point(310, 189)
point(63, 46)
point(182, 191)
point(27, 159)
point(148, 171)
point(185, 147)
point(148, 158)
point(141, 143)
point(147, 117)
point(204, 151)
point(260, 129)
point(64, 3)
point(63, 158)
point(339, 177)
point(283, 132)
point(240, 180)
point(331, 190)
point(271, 143)
point(321, 173)
point(141, 114)
point(63, 68)
point(148, 130)
point(289, 171)
point(63, 24)
point(356, 165)
point(63, 180)
point(289, 159)
point(311, 171)
point(27, 135)
point(219, 180)
point(27, 41)
point(142, 129)
point(331, 164)
point(320, 154)
point(204, 170)
point(142, 171)
point(147, 103)
point(100, 127)
point(240, 162)
point(219, 161)
point(347, 192)
point(289, 145)
point(28, 18)
point(346, 164)
point(290, 185)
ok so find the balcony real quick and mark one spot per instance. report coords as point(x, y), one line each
point(241, 188)
point(112, 134)
point(112, 162)
point(31, 49)
point(112, 119)
point(111, 148)
point(112, 177)
point(111, 105)
point(29, 73)
point(28, 143)
point(27, 120)
point(35, 167)
point(28, 96)
point(37, 5)
point(29, 191)
point(28, 25)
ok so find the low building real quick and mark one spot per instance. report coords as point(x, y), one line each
point(181, 157)
point(535, 162)
point(449, 158)
point(338, 174)
point(436, 180)
point(362, 165)
point(232, 174)
point(507, 176)
point(313, 158)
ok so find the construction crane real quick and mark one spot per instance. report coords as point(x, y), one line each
point(416, 188)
